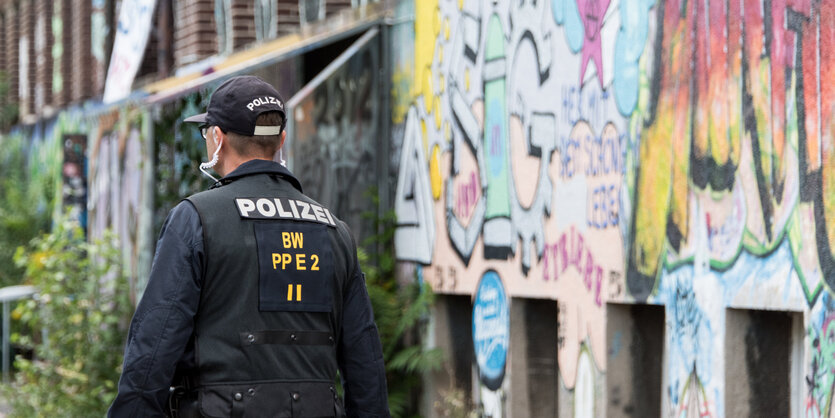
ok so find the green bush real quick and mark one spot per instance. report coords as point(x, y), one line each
point(18, 224)
point(76, 327)
point(400, 312)
point(8, 110)
point(25, 205)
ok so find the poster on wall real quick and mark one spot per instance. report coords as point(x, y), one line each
point(491, 330)
point(491, 335)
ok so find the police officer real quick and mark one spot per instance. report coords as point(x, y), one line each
point(255, 298)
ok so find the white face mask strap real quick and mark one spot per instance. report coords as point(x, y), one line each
point(205, 166)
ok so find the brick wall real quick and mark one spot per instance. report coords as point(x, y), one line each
point(3, 70)
point(26, 57)
point(288, 17)
point(149, 59)
point(62, 62)
point(243, 23)
point(79, 50)
point(43, 54)
point(334, 6)
point(99, 52)
point(12, 30)
point(195, 35)
point(59, 66)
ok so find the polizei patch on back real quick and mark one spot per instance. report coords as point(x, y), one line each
point(283, 208)
point(295, 263)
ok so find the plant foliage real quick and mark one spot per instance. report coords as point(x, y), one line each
point(26, 204)
point(8, 110)
point(400, 312)
point(76, 326)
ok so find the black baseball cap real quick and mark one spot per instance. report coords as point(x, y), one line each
point(236, 104)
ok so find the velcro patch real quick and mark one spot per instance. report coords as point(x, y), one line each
point(296, 269)
point(283, 208)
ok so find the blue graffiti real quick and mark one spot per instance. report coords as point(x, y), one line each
point(583, 104)
point(602, 206)
point(632, 36)
point(569, 150)
point(566, 13)
point(692, 333)
point(604, 155)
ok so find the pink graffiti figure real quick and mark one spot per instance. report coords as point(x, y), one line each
point(592, 12)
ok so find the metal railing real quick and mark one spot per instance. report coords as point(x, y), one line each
point(8, 295)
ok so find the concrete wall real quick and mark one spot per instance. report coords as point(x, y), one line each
point(674, 153)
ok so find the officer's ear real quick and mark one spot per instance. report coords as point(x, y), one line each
point(218, 133)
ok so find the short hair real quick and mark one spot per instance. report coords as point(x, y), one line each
point(258, 145)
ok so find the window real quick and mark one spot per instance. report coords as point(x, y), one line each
point(266, 19)
point(635, 342)
point(759, 346)
point(533, 357)
point(223, 20)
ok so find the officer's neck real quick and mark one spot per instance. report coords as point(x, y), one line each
point(233, 161)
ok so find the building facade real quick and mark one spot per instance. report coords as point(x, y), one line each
point(55, 54)
point(623, 207)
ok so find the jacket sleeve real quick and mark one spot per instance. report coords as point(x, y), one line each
point(164, 318)
point(361, 355)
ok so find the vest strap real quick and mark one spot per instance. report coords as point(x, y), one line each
point(237, 408)
point(249, 338)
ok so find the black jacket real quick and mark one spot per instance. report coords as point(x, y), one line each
point(161, 340)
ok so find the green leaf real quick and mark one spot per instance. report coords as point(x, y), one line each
point(80, 350)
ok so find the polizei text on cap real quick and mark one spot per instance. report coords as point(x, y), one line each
point(259, 101)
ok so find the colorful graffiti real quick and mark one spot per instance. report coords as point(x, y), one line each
point(672, 153)
point(92, 166)
point(74, 173)
point(821, 375)
point(120, 188)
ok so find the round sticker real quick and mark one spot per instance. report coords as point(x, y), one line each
point(491, 329)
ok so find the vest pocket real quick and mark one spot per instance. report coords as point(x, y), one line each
point(270, 399)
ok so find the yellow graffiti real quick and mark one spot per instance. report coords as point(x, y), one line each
point(427, 28)
point(427, 91)
point(435, 172)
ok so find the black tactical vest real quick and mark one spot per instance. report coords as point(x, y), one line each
point(271, 303)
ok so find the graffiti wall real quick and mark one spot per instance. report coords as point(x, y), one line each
point(120, 188)
point(673, 153)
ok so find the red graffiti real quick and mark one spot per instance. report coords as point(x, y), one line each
point(570, 251)
point(467, 196)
